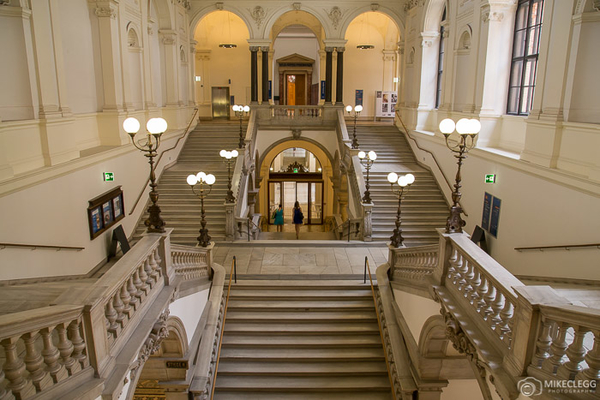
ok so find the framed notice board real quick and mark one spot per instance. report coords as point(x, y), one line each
point(105, 211)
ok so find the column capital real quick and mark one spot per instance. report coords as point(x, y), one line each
point(254, 49)
point(340, 49)
point(265, 49)
point(329, 49)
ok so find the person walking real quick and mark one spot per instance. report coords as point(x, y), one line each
point(298, 217)
point(278, 218)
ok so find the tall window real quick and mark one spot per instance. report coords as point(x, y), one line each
point(526, 47)
point(438, 93)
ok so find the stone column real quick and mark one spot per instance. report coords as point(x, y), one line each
point(265, 74)
point(230, 222)
point(339, 86)
point(367, 222)
point(192, 87)
point(254, 74)
point(328, 73)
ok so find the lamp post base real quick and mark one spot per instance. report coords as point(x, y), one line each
point(455, 223)
point(154, 222)
point(204, 238)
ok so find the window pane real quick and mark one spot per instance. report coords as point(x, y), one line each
point(519, 47)
point(513, 100)
point(515, 75)
point(521, 20)
point(536, 13)
point(526, 97)
point(530, 72)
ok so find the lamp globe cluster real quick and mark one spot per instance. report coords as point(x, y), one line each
point(201, 177)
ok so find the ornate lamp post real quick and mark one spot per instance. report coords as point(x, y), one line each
point(228, 157)
point(367, 160)
point(155, 128)
point(240, 111)
point(357, 110)
point(467, 131)
point(202, 179)
point(404, 183)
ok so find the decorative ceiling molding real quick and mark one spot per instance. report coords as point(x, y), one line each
point(258, 14)
point(335, 15)
point(410, 4)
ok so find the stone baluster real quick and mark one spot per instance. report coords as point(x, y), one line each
point(148, 269)
point(144, 278)
point(119, 307)
point(34, 363)
point(497, 307)
point(489, 298)
point(4, 395)
point(134, 302)
point(559, 348)
point(137, 282)
point(506, 316)
point(14, 369)
point(575, 353)
point(453, 269)
point(543, 343)
point(51, 356)
point(475, 284)
point(126, 299)
point(65, 348)
point(482, 291)
point(468, 278)
point(111, 315)
point(74, 335)
point(463, 269)
point(156, 272)
point(592, 358)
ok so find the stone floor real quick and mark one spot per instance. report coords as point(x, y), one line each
point(291, 257)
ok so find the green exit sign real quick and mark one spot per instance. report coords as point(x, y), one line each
point(490, 178)
point(295, 170)
point(108, 176)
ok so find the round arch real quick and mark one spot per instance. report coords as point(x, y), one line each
point(272, 19)
point(200, 14)
point(433, 15)
point(163, 12)
point(290, 18)
point(381, 10)
point(322, 155)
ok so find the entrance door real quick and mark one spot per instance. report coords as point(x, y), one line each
point(308, 194)
point(220, 102)
point(296, 89)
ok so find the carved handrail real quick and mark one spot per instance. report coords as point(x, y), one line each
point(285, 112)
point(557, 247)
point(40, 246)
point(415, 263)
point(185, 133)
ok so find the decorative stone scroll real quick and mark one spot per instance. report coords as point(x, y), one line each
point(258, 14)
point(153, 341)
point(296, 6)
point(105, 12)
point(410, 4)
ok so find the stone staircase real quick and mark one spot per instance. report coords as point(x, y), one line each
point(301, 340)
point(180, 208)
point(423, 209)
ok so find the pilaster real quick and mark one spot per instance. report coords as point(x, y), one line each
point(168, 39)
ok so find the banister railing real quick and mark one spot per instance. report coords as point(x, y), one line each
point(560, 247)
point(304, 113)
point(190, 262)
point(40, 246)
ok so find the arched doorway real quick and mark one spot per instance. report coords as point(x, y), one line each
point(296, 174)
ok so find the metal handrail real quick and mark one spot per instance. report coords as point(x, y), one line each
point(232, 272)
point(40, 246)
point(432, 156)
point(387, 362)
point(187, 130)
point(565, 247)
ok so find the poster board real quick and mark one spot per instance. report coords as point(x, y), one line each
point(385, 103)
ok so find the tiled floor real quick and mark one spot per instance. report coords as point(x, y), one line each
point(291, 259)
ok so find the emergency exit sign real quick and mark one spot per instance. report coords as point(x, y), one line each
point(490, 178)
point(108, 176)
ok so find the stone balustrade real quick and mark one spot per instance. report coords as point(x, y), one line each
point(50, 351)
point(297, 112)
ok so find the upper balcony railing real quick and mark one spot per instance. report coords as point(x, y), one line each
point(301, 116)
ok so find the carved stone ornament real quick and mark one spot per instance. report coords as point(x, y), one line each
point(4, 2)
point(374, 6)
point(219, 6)
point(258, 14)
point(152, 344)
point(296, 166)
point(492, 16)
point(296, 133)
point(105, 12)
point(410, 4)
point(185, 4)
point(596, 5)
point(296, 6)
point(335, 15)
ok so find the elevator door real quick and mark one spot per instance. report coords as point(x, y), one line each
point(220, 102)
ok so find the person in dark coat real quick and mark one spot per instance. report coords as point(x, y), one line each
point(298, 217)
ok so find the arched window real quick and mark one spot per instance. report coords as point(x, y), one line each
point(438, 93)
point(526, 45)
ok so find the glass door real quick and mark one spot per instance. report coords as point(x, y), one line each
point(316, 203)
point(308, 194)
point(275, 198)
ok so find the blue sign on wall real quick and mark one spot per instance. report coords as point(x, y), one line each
point(495, 216)
point(322, 90)
point(487, 209)
point(358, 97)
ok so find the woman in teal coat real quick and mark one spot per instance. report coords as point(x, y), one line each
point(278, 219)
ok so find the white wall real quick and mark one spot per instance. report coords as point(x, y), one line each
point(189, 309)
point(460, 389)
point(416, 310)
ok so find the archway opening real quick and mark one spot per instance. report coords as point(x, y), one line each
point(296, 174)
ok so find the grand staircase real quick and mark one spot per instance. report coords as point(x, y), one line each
point(423, 209)
point(180, 208)
point(301, 340)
